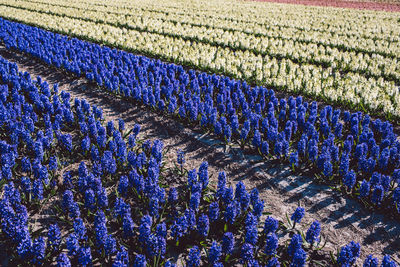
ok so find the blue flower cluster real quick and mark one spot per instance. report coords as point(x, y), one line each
point(334, 142)
point(113, 205)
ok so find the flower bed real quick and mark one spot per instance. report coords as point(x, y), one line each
point(101, 186)
point(347, 62)
point(349, 151)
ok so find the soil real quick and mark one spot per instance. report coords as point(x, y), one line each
point(381, 5)
point(343, 219)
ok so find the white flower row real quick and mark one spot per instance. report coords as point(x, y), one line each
point(305, 78)
point(341, 21)
point(348, 30)
point(376, 65)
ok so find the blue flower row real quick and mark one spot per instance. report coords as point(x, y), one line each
point(99, 219)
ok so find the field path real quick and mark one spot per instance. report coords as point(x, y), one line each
point(342, 219)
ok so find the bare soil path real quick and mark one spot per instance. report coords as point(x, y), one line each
point(343, 219)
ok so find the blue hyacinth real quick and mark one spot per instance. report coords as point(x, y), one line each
point(230, 213)
point(271, 244)
point(295, 243)
point(72, 243)
point(38, 250)
point(298, 215)
point(122, 258)
point(370, 261)
point(214, 252)
point(180, 157)
point(193, 257)
point(270, 225)
point(228, 243)
point(349, 179)
point(299, 258)
point(213, 212)
point(63, 260)
point(349, 254)
point(312, 234)
point(140, 261)
point(364, 189)
point(80, 229)
point(203, 225)
point(247, 253)
point(273, 262)
point(54, 237)
point(377, 195)
point(388, 262)
point(145, 228)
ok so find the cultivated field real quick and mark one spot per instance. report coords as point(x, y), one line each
point(207, 133)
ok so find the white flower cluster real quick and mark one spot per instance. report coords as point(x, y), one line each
point(344, 56)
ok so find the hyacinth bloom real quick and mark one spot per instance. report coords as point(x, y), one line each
point(370, 261)
point(123, 185)
point(213, 213)
point(110, 246)
point(145, 228)
point(230, 213)
point(221, 184)
point(251, 233)
point(228, 243)
point(299, 258)
point(72, 243)
point(80, 229)
point(203, 225)
point(54, 237)
point(271, 244)
point(195, 201)
point(122, 258)
point(38, 250)
point(295, 243)
point(298, 215)
point(387, 261)
point(214, 252)
point(270, 225)
point(180, 158)
point(63, 260)
point(377, 195)
point(193, 259)
point(273, 262)
point(312, 234)
point(247, 253)
point(203, 174)
point(349, 180)
point(364, 189)
point(349, 254)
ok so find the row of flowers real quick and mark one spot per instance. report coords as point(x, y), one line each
point(115, 209)
point(257, 18)
point(267, 44)
point(352, 89)
point(359, 156)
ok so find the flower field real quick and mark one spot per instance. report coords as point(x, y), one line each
point(339, 56)
point(316, 89)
